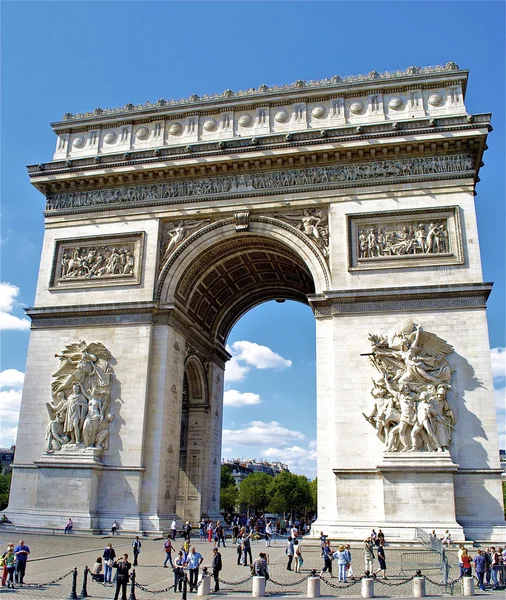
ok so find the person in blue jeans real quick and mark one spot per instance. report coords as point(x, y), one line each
point(342, 560)
point(21, 552)
point(480, 564)
point(168, 547)
point(108, 556)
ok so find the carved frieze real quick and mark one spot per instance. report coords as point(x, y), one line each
point(313, 223)
point(411, 411)
point(251, 183)
point(173, 233)
point(97, 261)
point(405, 239)
point(80, 407)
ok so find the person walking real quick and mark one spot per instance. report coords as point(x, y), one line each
point(122, 567)
point(382, 561)
point(299, 561)
point(179, 572)
point(216, 566)
point(220, 532)
point(480, 565)
point(290, 552)
point(327, 559)
point(202, 530)
point(173, 529)
point(194, 561)
point(21, 552)
point(4, 567)
point(268, 533)
point(136, 548)
point(168, 547)
point(68, 526)
point(108, 556)
point(369, 556)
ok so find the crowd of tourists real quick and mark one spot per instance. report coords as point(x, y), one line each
point(489, 566)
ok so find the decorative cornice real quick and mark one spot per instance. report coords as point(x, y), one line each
point(265, 182)
point(434, 297)
point(264, 92)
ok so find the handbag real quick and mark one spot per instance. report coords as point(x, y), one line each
point(110, 562)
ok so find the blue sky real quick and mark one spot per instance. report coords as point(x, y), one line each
point(62, 57)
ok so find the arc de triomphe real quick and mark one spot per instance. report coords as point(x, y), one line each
point(166, 222)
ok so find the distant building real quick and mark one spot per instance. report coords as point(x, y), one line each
point(241, 468)
point(7, 458)
point(502, 458)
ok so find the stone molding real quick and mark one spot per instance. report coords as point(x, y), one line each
point(261, 183)
point(436, 297)
point(265, 92)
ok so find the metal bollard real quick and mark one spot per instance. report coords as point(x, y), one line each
point(84, 589)
point(419, 587)
point(132, 586)
point(185, 587)
point(73, 593)
point(367, 590)
point(258, 587)
point(468, 586)
point(313, 587)
point(204, 588)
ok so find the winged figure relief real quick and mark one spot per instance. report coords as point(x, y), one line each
point(312, 222)
point(175, 232)
point(411, 409)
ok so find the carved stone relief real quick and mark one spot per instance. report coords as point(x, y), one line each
point(97, 261)
point(405, 239)
point(174, 233)
point(80, 406)
point(313, 223)
point(250, 182)
point(411, 410)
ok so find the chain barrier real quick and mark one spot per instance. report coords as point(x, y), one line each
point(232, 583)
point(40, 585)
point(273, 581)
point(340, 587)
point(442, 584)
point(145, 589)
point(396, 584)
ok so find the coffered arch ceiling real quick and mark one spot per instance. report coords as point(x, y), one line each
point(234, 275)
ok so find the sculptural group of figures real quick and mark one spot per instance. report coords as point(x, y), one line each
point(81, 399)
point(96, 261)
point(411, 410)
point(375, 242)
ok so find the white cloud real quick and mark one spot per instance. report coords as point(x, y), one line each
point(259, 433)
point(235, 371)
point(301, 461)
point(235, 398)
point(500, 405)
point(10, 401)
point(498, 358)
point(8, 294)
point(249, 354)
point(11, 378)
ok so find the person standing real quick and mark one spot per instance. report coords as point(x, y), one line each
point(210, 530)
point(496, 561)
point(290, 551)
point(10, 565)
point(240, 550)
point(202, 530)
point(136, 548)
point(194, 561)
point(108, 556)
point(96, 571)
point(299, 561)
point(217, 566)
point(480, 565)
point(168, 547)
point(187, 531)
point(21, 552)
point(368, 556)
point(349, 569)
point(466, 564)
point(122, 567)
point(179, 572)
point(246, 548)
point(173, 529)
point(221, 534)
point(342, 561)
point(488, 568)
point(68, 526)
point(382, 561)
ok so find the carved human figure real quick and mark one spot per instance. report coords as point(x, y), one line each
point(424, 412)
point(55, 437)
point(444, 420)
point(362, 244)
point(420, 237)
point(406, 400)
point(77, 408)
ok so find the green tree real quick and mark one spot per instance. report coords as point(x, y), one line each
point(227, 479)
point(253, 492)
point(313, 486)
point(5, 486)
point(290, 493)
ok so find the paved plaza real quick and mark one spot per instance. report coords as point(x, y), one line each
point(53, 556)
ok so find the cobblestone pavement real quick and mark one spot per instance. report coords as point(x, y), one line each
point(54, 556)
